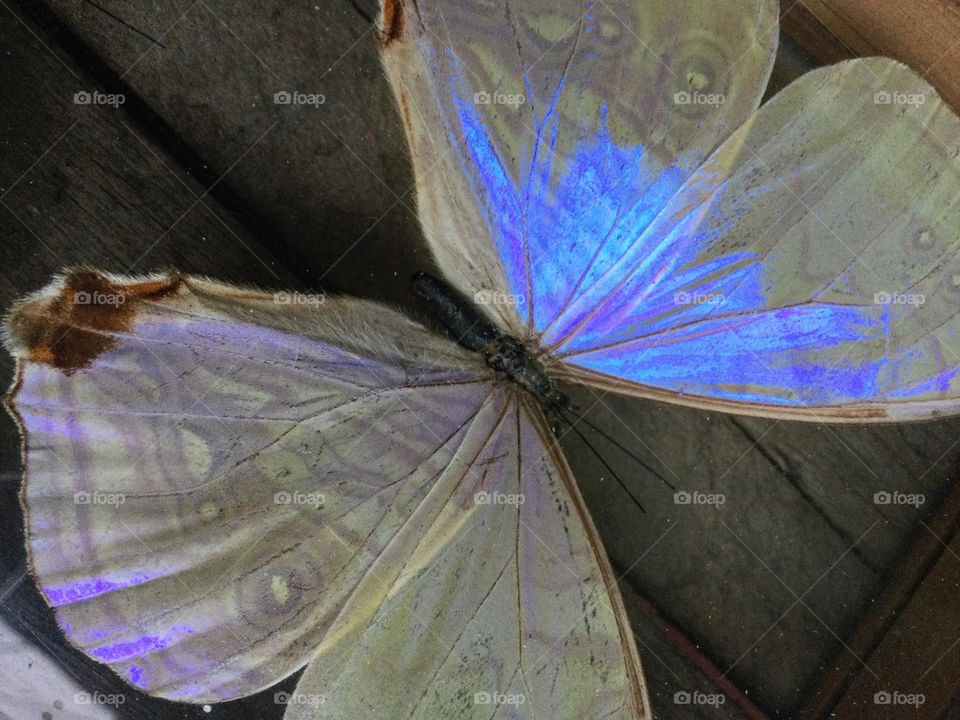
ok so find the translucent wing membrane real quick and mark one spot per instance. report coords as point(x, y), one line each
point(504, 608)
point(810, 269)
point(546, 136)
point(206, 490)
point(221, 487)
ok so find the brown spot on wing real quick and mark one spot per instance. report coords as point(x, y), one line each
point(405, 112)
point(391, 27)
point(68, 329)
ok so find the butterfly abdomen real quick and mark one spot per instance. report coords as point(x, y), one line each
point(462, 321)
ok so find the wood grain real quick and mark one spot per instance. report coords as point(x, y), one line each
point(908, 639)
point(924, 34)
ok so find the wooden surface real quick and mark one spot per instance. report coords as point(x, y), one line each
point(913, 624)
point(924, 34)
point(761, 595)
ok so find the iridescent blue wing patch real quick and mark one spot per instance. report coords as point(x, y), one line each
point(546, 137)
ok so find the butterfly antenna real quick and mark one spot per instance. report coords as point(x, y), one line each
point(625, 449)
point(599, 457)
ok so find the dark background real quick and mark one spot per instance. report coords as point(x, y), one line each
point(200, 170)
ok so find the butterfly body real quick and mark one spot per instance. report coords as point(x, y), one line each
point(512, 359)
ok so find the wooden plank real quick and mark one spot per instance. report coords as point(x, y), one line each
point(924, 34)
point(84, 185)
point(330, 181)
point(910, 639)
point(780, 575)
point(683, 682)
point(801, 26)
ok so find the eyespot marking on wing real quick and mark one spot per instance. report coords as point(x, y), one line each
point(68, 324)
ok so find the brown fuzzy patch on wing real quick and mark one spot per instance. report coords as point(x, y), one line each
point(70, 326)
point(391, 26)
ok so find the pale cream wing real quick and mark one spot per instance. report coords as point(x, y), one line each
point(505, 606)
point(809, 270)
point(212, 472)
point(545, 136)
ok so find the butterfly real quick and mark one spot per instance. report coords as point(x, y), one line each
point(226, 486)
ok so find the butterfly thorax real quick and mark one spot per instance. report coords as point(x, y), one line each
point(508, 356)
point(511, 357)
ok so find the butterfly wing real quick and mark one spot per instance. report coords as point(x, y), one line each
point(210, 472)
point(546, 136)
point(220, 488)
point(810, 269)
point(505, 608)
